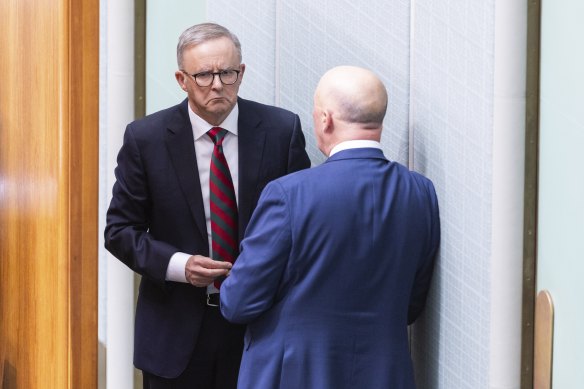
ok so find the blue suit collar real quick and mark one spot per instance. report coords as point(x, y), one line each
point(358, 153)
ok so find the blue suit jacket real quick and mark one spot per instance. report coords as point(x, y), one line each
point(157, 210)
point(337, 260)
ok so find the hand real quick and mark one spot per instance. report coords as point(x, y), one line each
point(202, 271)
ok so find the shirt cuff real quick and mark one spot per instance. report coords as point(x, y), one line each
point(176, 267)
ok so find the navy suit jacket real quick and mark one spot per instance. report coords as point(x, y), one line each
point(157, 210)
point(337, 260)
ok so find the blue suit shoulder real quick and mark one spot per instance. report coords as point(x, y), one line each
point(395, 168)
point(422, 180)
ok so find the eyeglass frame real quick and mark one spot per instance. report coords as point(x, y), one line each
point(194, 76)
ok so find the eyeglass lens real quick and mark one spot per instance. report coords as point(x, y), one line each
point(227, 77)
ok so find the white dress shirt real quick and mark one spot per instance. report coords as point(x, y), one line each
point(204, 150)
point(354, 144)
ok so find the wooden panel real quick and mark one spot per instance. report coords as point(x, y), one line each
point(544, 332)
point(48, 193)
point(530, 193)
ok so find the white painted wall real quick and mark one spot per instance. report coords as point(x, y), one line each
point(508, 192)
point(164, 24)
point(561, 183)
point(116, 282)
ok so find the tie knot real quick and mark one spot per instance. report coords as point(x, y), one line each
point(217, 134)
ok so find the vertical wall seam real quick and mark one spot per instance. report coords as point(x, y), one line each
point(277, 28)
point(410, 92)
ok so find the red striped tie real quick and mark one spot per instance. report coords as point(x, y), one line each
point(224, 223)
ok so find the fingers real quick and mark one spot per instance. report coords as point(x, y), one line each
point(202, 271)
point(211, 263)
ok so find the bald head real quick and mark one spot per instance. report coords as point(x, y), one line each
point(354, 95)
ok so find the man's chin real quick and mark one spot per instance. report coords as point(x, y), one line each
point(217, 112)
point(218, 107)
point(218, 100)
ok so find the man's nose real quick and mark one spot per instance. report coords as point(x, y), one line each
point(217, 83)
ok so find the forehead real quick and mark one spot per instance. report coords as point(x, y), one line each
point(220, 52)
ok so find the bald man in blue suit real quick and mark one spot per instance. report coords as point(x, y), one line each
point(337, 260)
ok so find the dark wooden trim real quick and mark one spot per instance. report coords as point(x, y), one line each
point(139, 106)
point(140, 58)
point(531, 191)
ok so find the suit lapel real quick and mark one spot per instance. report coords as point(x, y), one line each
point(251, 140)
point(181, 148)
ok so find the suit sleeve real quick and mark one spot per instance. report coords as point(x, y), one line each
point(128, 217)
point(297, 157)
point(426, 268)
point(253, 283)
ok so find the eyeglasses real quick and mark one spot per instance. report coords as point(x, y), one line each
point(203, 79)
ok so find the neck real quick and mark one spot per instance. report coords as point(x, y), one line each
point(344, 131)
point(214, 120)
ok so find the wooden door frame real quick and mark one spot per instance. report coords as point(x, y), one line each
point(49, 129)
point(530, 191)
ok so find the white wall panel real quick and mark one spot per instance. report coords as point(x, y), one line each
point(316, 36)
point(561, 187)
point(287, 46)
point(254, 23)
point(438, 60)
point(452, 125)
point(116, 282)
point(164, 24)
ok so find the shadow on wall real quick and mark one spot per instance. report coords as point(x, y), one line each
point(101, 358)
point(425, 351)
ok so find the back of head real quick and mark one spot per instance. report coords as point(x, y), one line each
point(203, 32)
point(356, 95)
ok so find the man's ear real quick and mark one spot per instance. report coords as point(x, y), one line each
point(242, 67)
point(327, 121)
point(180, 78)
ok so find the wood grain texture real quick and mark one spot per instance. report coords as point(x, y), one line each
point(544, 333)
point(48, 193)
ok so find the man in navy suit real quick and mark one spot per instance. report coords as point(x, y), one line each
point(337, 259)
point(158, 222)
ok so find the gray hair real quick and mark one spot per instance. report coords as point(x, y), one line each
point(200, 33)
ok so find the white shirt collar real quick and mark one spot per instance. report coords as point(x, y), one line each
point(354, 144)
point(201, 127)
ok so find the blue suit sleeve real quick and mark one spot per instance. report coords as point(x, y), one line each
point(425, 270)
point(253, 282)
